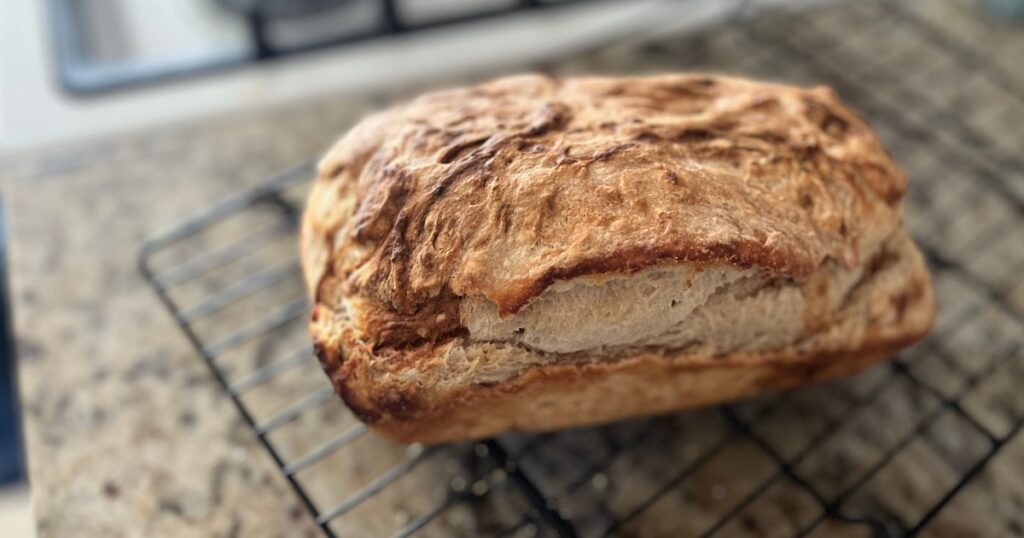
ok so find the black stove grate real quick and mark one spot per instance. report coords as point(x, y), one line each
point(885, 452)
point(273, 30)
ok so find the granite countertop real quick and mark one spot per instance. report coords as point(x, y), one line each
point(127, 432)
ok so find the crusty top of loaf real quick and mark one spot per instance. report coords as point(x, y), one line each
point(501, 189)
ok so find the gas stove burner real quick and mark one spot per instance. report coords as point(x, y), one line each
point(100, 49)
point(281, 8)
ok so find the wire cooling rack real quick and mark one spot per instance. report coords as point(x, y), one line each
point(883, 453)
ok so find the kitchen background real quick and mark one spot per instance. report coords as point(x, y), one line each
point(120, 117)
point(65, 58)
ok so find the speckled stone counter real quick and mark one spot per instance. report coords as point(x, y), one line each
point(129, 435)
point(127, 432)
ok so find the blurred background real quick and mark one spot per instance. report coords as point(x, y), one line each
point(120, 117)
point(75, 62)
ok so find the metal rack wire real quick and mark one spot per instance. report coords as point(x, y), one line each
point(884, 452)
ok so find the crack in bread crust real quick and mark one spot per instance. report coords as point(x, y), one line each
point(406, 394)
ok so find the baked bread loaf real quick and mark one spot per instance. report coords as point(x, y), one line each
point(536, 253)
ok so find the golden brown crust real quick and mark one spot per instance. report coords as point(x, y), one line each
point(560, 395)
point(502, 189)
point(499, 190)
point(601, 392)
point(375, 384)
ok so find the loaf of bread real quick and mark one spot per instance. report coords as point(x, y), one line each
point(536, 253)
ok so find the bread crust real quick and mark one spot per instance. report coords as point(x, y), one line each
point(601, 392)
point(600, 389)
point(502, 189)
